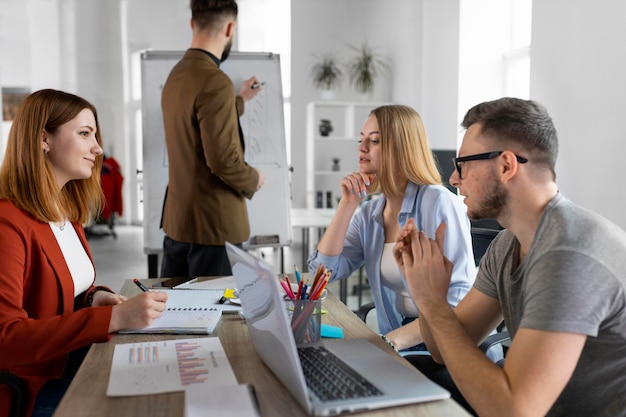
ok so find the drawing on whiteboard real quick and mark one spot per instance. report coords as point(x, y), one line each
point(260, 148)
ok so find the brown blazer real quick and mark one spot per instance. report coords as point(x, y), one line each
point(208, 177)
point(40, 321)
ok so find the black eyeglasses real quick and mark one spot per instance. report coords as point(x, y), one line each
point(481, 156)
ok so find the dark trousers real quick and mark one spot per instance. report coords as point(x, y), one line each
point(439, 374)
point(51, 393)
point(182, 259)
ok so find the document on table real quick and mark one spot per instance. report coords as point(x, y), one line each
point(168, 366)
point(224, 400)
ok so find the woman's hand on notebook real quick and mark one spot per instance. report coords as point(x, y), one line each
point(105, 298)
point(138, 312)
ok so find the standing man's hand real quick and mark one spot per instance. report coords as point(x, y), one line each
point(247, 92)
point(261, 179)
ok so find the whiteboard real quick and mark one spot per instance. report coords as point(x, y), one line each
point(263, 127)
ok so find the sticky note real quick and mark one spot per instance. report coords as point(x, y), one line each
point(331, 331)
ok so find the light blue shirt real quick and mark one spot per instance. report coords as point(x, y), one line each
point(430, 205)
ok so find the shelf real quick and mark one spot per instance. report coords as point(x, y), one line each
point(346, 119)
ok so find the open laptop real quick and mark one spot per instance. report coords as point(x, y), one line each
point(385, 380)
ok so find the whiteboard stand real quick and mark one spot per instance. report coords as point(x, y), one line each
point(153, 262)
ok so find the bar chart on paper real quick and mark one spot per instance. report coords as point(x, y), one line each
point(168, 366)
point(192, 367)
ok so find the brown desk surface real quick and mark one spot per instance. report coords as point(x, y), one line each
point(86, 395)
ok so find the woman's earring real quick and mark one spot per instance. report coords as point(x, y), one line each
point(46, 150)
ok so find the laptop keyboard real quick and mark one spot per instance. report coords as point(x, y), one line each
point(330, 378)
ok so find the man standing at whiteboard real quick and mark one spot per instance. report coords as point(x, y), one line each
point(208, 178)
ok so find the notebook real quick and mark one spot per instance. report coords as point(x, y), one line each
point(188, 312)
point(270, 332)
point(213, 289)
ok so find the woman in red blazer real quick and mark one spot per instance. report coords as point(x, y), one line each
point(49, 306)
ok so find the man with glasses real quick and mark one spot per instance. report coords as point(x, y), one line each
point(556, 275)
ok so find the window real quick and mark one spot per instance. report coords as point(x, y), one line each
point(494, 50)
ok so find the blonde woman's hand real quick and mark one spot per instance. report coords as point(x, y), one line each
point(355, 186)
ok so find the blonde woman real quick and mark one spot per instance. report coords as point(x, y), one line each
point(394, 159)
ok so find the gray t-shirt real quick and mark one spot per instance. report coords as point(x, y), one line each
point(573, 279)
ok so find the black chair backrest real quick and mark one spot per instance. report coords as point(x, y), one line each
point(481, 239)
point(19, 388)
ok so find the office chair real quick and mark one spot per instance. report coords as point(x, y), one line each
point(20, 392)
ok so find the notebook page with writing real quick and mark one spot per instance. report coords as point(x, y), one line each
point(188, 312)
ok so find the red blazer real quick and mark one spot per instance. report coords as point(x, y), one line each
point(40, 321)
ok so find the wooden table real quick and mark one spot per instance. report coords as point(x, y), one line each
point(86, 395)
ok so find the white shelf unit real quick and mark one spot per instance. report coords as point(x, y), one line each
point(346, 119)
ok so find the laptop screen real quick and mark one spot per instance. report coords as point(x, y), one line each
point(266, 317)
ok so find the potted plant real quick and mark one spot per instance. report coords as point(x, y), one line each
point(364, 68)
point(326, 75)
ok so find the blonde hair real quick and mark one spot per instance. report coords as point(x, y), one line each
point(404, 149)
point(26, 176)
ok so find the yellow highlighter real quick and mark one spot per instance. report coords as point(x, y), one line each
point(228, 294)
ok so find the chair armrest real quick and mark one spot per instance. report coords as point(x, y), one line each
point(364, 310)
point(494, 339)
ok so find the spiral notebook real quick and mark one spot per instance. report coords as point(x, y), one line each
point(188, 312)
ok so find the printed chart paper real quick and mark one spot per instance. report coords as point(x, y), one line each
point(168, 366)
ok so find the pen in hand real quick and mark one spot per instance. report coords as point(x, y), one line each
point(257, 85)
point(140, 285)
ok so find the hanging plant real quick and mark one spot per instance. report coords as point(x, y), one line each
point(364, 68)
point(326, 74)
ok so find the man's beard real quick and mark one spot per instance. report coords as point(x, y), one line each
point(494, 202)
point(226, 51)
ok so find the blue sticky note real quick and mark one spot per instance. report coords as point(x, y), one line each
point(331, 331)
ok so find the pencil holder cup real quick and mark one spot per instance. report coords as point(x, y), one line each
point(306, 320)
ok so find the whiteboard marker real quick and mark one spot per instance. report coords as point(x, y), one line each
point(257, 85)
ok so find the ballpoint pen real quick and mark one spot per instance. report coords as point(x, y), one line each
point(140, 285)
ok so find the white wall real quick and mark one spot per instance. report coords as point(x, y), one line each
point(578, 68)
point(85, 47)
point(20, 22)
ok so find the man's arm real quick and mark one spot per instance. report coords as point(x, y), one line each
point(219, 132)
point(538, 364)
point(246, 93)
point(478, 314)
